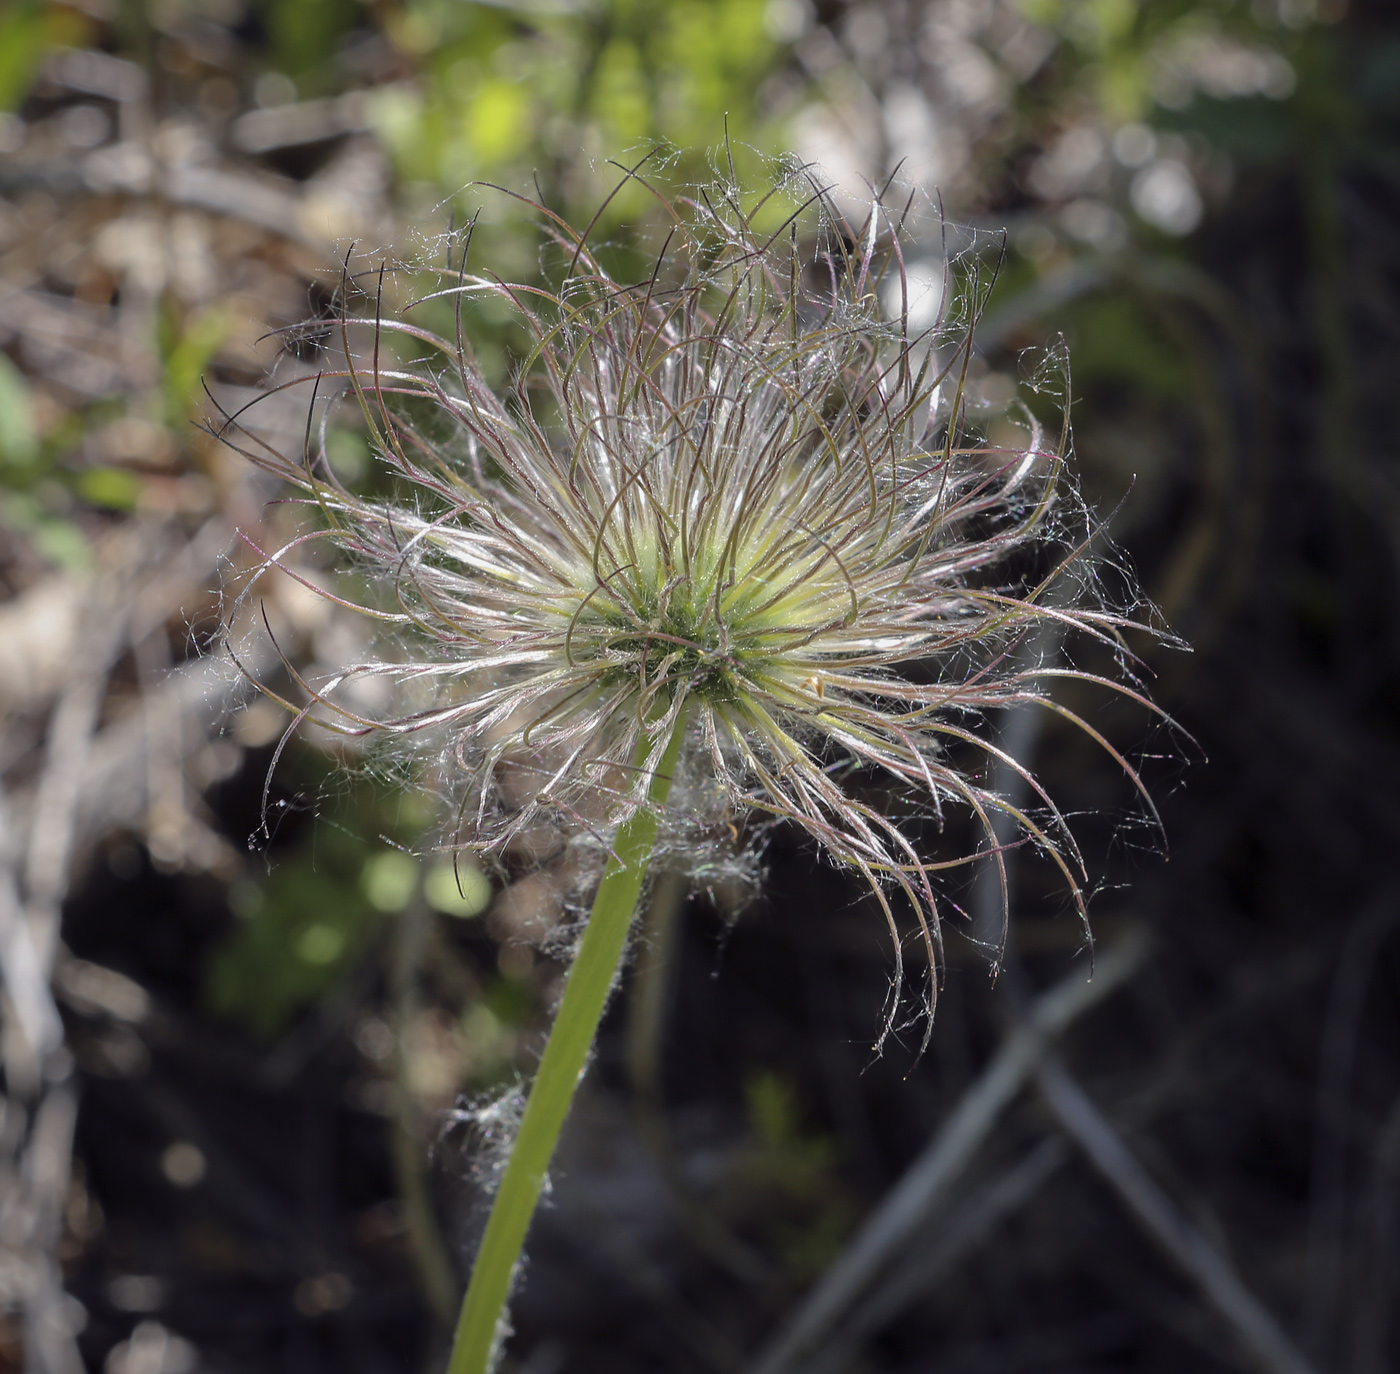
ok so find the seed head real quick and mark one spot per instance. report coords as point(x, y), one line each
point(739, 493)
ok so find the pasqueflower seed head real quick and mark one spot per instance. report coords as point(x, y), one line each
point(740, 493)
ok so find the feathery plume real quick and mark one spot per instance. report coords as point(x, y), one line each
point(742, 493)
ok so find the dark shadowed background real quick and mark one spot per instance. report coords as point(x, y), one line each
point(254, 1050)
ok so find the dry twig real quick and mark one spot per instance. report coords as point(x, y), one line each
point(1265, 1342)
point(927, 1181)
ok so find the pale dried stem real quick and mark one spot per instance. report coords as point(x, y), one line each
point(1260, 1336)
point(94, 779)
point(928, 1180)
point(961, 1231)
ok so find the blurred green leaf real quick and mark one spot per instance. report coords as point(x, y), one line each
point(19, 440)
point(460, 889)
point(389, 880)
point(606, 80)
point(794, 1170)
point(111, 488)
point(1254, 130)
point(498, 120)
point(306, 928)
point(28, 29)
point(187, 348)
point(775, 1116)
point(57, 539)
point(61, 543)
point(1115, 340)
point(305, 35)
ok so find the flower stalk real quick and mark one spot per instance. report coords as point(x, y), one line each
point(479, 1327)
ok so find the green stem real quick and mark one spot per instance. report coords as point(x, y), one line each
point(565, 1054)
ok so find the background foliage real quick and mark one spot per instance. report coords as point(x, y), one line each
point(258, 1136)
